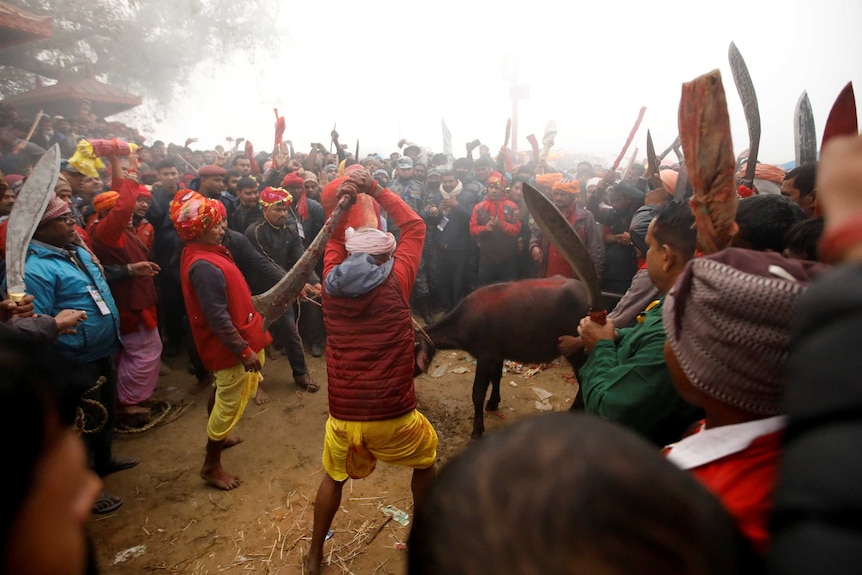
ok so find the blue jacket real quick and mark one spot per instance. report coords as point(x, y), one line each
point(57, 282)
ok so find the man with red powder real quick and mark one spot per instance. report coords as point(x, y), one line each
point(369, 358)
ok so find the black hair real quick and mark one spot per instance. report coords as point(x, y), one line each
point(638, 169)
point(36, 382)
point(439, 159)
point(801, 239)
point(763, 221)
point(449, 173)
point(674, 225)
point(483, 162)
point(571, 494)
point(232, 173)
point(166, 163)
point(805, 178)
point(461, 163)
point(246, 182)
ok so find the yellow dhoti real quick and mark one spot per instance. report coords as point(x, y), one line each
point(234, 387)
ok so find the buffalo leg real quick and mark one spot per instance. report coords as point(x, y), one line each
point(480, 388)
point(496, 375)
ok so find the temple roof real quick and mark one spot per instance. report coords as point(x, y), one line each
point(18, 26)
point(63, 97)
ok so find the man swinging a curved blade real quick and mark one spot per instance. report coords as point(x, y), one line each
point(369, 356)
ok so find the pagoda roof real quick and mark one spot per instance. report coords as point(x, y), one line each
point(63, 97)
point(18, 26)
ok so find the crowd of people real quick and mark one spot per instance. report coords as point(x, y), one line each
point(159, 250)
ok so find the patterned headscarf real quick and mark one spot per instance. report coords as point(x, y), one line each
point(271, 196)
point(192, 214)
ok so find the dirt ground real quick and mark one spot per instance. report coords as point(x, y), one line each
point(172, 522)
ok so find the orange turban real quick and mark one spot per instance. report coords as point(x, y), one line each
point(105, 201)
point(193, 214)
point(547, 181)
point(271, 196)
point(568, 186)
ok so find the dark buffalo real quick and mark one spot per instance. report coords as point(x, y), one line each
point(520, 321)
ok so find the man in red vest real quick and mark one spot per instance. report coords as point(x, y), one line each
point(369, 356)
point(227, 330)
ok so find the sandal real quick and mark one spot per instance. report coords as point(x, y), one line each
point(305, 383)
point(107, 503)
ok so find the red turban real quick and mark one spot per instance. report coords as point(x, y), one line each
point(144, 192)
point(294, 179)
point(193, 214)
point(497, 178)
point(105, 201)
point(271, 196)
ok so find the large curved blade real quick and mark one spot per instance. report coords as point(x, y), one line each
point(804, 135)
point(745, 87)
point(272, 303)
point(25, 216)
point(652, 160)
point(563, 236)
point(842, 117)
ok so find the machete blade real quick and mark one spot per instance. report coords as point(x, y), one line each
point(652, 160)
point(842, 117)
point(24, 219)
point(804, 135)
point(679, 191)
point(745, 87)
point(560, 232)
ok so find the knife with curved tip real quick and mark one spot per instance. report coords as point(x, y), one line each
point(679, 191)
point(842, 117)
point(25, 216)
point(652, 159)
point(745, 87)
point(804, 135)
point(558, 230)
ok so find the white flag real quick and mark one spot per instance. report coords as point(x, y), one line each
point(447, 142)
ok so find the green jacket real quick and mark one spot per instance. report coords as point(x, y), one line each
point(627, 381)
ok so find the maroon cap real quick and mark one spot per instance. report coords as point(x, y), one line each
point(211, 170)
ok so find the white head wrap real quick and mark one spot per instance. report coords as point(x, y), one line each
point(369, 241)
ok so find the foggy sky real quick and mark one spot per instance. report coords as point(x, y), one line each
point(389, 70)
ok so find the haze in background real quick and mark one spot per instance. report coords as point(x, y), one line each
point(389, 70)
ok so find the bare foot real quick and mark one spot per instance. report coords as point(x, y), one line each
point(261, 397)
point(219, 477)
point(231, 441)
point(132, 410)
point(311, 566)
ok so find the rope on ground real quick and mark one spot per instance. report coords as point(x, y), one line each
point(101, 414)
point(175, 411)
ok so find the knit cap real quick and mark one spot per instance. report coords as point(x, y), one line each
point(728, 322)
